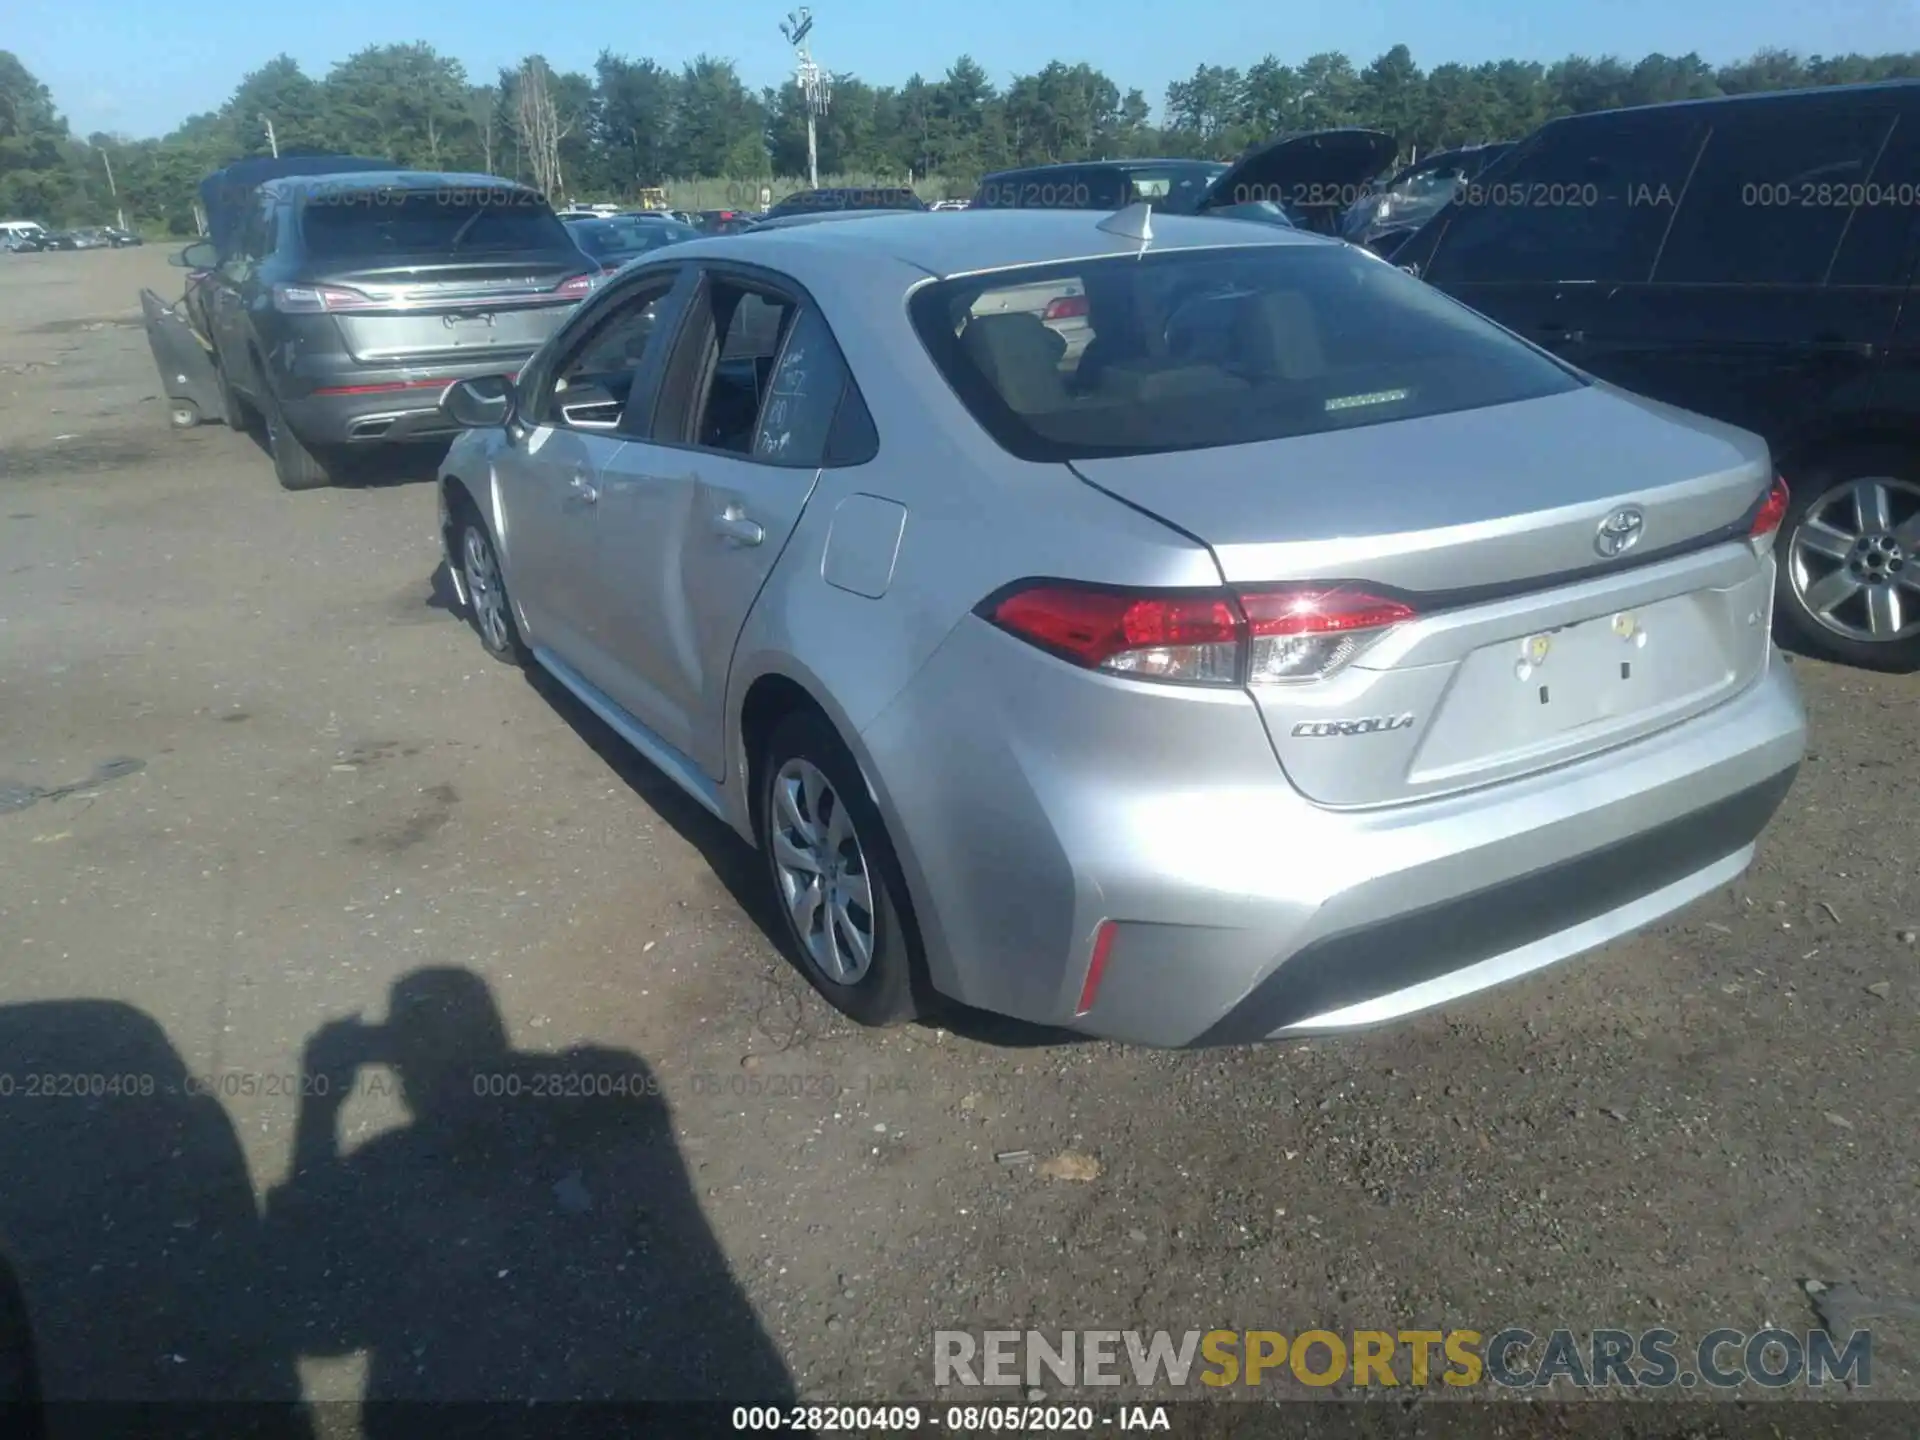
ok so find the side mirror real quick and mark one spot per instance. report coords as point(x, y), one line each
point(198, 256)
point(485, 402)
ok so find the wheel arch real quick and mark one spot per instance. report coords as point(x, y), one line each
point(1815, 443)
point(768, 693)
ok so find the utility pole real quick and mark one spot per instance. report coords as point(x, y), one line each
point(119, 215)
point(273, 141)
point(816, 85)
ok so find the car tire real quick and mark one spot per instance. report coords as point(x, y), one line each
point(1825, 551)
point(815, 811)
point(183, 414)
point(489, 607)
point(294, 461)
point(21, 1412)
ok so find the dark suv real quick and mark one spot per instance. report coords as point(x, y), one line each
point(1749, 259)
point(344, 304)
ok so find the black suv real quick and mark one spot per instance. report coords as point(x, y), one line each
point(341, 306)
point(1748, 259)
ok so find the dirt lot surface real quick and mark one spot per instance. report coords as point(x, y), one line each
point(315, 786)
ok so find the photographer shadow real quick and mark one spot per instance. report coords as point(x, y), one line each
point(131, 1300)
point(530, 1236)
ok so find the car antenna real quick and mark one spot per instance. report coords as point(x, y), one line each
point(1133, 223)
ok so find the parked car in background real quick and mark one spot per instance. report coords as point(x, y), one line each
point(1305, 180)
point(1286, 664)
point(1174, 186)
point(346, 302)
point(813, 202)
point(121, 239)
point(22, 236)
point(949, 205)
point(1750, 259)
point(724, 222)
point(1387, 216)
point(614, 240)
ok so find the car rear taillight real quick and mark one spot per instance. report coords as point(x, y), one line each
point(1067, 307)
point(1170, 636)
point(1210, 637)
point(578, 288)
point(319, 299)
point(1300, 633)
point(1772, 511)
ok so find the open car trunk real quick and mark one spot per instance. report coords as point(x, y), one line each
point(1314, 177)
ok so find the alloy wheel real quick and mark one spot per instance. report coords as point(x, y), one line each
point(822, 869)
point(1854, 559)
point(484, 591)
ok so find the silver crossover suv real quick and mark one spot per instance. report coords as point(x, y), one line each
point(1300, 651)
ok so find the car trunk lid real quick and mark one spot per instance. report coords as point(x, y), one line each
point(396, 313)
point(1545, 626)
point(1315, 176)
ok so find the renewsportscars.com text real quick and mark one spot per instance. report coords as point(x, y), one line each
point(1511, 1358)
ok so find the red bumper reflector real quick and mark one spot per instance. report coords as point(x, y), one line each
point(1096, 967)
point(386, 389)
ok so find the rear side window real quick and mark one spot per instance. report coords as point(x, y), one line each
point(1773, 194)
point(1877, 248)
point(1588, 201)
point(353, 225)
point(803, 396)
point(1196, 348)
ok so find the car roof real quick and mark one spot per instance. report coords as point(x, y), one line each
point(972, 241)
point(1121, 165)
point(393, 180)
point(1837, 93)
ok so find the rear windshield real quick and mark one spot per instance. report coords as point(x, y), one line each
point(357, 223)
point(1195, 348)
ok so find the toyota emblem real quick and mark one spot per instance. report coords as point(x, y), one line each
point(1620, 531)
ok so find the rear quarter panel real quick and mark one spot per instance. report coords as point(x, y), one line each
point(975, 520)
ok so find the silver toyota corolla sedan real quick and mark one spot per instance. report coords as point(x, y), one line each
point(1300, 651)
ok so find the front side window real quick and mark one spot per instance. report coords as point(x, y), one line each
point(1190, 349)
point(594, 385)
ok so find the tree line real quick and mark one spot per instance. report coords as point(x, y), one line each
point(637, 123)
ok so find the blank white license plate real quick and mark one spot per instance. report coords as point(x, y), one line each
point(1609, 668)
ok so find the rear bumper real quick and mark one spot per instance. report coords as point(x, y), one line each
point(383, 406)
point(1242, 911)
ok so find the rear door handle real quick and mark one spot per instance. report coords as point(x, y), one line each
point(582, 489)
point(732, 524)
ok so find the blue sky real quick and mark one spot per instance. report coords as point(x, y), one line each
point(140, 67)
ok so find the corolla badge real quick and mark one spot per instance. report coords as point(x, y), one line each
point(1367, 725)
point(1620, 531)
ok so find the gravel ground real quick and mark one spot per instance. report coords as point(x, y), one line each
point(331, 804)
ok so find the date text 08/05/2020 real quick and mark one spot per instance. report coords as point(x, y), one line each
point(951, 1419)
